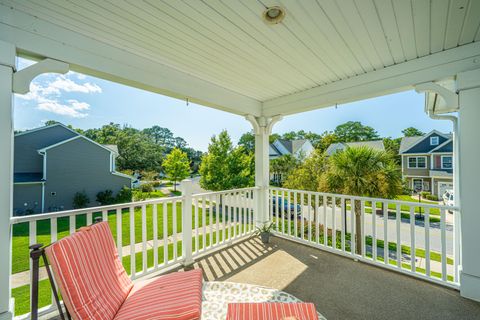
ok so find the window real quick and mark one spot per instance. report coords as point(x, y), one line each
point(434, 141)
point(446, 162)
point(417, 162)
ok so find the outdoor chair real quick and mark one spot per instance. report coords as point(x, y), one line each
point(94, 284)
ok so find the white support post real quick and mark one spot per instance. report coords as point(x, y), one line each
point(468, 85)
point(7, 67)
point(262, 128)
point(186, 188)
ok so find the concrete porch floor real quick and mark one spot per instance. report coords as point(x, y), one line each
point(340, 287)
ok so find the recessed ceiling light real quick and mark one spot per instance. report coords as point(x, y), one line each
point(274, 15)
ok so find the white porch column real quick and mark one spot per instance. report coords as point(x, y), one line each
point(7, 65)
point(262, 128)
point(468, 85)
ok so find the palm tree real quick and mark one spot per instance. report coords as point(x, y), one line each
point(362, 171)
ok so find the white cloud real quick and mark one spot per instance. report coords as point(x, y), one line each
point(47, 94)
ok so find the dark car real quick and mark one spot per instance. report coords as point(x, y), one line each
point(284, 207)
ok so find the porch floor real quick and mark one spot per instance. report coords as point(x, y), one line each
point(340, 287)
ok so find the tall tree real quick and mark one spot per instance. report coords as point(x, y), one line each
point(224, 167)
point(362, 171)
point(176, 166)
point(352, 131)
point(283, 166)
point(247, 141)
point(412, 132)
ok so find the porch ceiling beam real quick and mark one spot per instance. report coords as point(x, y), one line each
point(389, 80)
point(38, 39)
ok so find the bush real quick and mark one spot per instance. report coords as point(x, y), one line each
point(156, 184)
point(432, 197)
point(139, 195)
point(147, 187)
point(80, 200)
point(424, 194)
point(124, 195)
point(105, 197)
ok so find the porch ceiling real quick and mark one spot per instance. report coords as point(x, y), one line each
point(221, 53)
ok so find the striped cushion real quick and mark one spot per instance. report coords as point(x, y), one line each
point(174, 296)
point(271, 311)
point(89, 274)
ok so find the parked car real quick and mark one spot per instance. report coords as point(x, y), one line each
point(448, 198)
point(285, 208)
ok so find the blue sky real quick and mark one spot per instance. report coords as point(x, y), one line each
point(88, 102)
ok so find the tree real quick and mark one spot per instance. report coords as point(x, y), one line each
point(412, 132)
point(176, 166)
point(283, 166)
point(362, 171)
point(352, 131)
point(393, 147)
point(224, 167)
point(247, 141)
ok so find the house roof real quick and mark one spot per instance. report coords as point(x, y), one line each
point(23, 177)
point(375, 144)
point(408, 142)
point(58, 124)
point(292, 146)
point(73, 139)
point(112, 147)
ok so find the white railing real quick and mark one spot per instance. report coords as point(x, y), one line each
point(151, 236)
point(413, 238)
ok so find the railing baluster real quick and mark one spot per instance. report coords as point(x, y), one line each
point(302, 222)
point(282, 208)
point(456, 245)
point(343, 205)
point(53, 238)
point(374, 230)
point(353, 231)
point(309, 204)
point(204, 224)
point(32, 226)
point(244, 213)
point(317, 219)
point(144, 238)
point(174, 234)
point(289, 215)
point(132, 242)
point(226, 220)
point(443, 236)
point(235, 207)
point(217, 222)
point(399, 241)
point(72, 224)
point(197, 235)
point(277, 212)
point(295, 219)
point(362, 224)
point(427, 241)
point(210, 219)
point(334, 223)
point(104, 215)
point(89, 218)
point(325, 227)
point(155, 235)
point(412, 239)
point(385, 233)
point(165, 233)
point(119, 233)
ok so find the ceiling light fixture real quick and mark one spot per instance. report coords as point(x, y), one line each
point(274, 15)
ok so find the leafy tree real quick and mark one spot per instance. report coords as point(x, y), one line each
point(177, 166)
point(247, 141)
point(160, 136)
point(307, 175)
point(412, 132)
point(80, 200)
point(224, 167)
point(393, 147)
point(362, 171)
point(283, 166)
point(273, 137)
point(138, 153)
point(352, 131)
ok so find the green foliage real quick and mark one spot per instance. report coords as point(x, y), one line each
point(146, 187)
point(124, 195)
point(393, 146)
point(355, 131)
point(283, 166)
point(424, 194)
point(105, 197)
point(80, 200)
point(307, 175)
point(247, 141)
point(412, 132)
point(225, 167)
point(432, 197)
point(362, 171)
point(176, 166)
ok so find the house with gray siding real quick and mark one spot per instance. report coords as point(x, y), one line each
point(300, 149)
point(427, 162)
point(53, 163)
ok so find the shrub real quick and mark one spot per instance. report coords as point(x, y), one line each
point(138, 195)
point(432, 197)
point(124, 195)
point(156, 184)
point(80, 200)
point(424, 194)
point(147, 187)
point(105, 197)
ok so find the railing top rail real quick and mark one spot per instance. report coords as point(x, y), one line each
point(66, 213)
point(224, 191)
point(400, 202)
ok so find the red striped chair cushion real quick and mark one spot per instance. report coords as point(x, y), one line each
point(89, 274)
point(173, 296)
point(272, 311)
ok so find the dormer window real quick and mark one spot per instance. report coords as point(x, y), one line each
point(434, 141)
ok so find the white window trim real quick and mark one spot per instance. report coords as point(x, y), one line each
point(437, 139)
point(416, 167)
point(441, 162)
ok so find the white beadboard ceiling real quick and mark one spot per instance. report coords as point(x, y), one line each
point(226, 43)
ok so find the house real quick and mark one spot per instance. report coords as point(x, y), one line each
point(427, 162)
point(52, 163)
point(298, 148)
point(335, 147)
